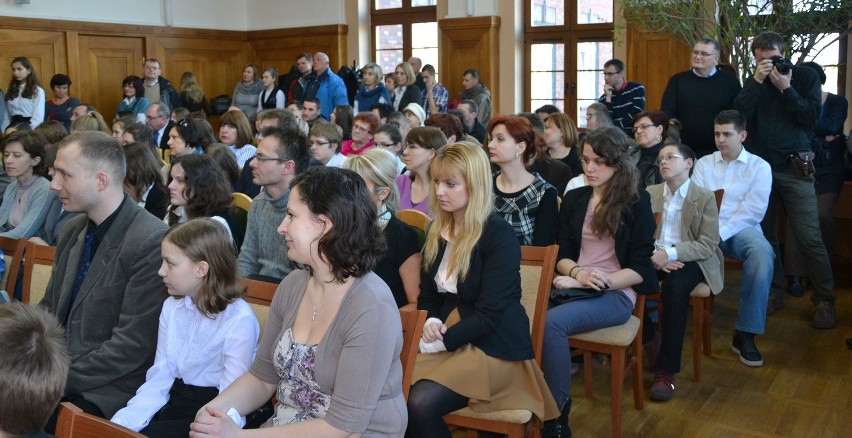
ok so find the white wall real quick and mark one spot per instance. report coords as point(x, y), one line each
point(201, 14)
point(282, 14)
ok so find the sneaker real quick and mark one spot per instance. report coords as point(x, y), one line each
point(743, 344)
point(794, 287)
point(825, 316)
point(652, 350)
point(663, 387)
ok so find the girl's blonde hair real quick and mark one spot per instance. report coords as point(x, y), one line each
point(205, 240)
point(379, 167)
point(469, 161)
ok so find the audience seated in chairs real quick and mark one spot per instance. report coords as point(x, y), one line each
point(471, 288)
point(325, 318)
point(605, 245)
point(399, 267)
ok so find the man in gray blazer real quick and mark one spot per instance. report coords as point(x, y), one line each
point(109, 305)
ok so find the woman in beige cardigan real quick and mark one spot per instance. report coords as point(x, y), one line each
point(686, 253)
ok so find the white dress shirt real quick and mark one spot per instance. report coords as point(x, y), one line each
point(336, 160)
point(243, 154)
point(670, 230)
point(747, 181)
point(32, 107)
point(203, 351)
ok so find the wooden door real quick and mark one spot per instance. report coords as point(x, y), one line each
point(104, 62)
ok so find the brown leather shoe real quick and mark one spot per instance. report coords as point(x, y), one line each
point(825, 316)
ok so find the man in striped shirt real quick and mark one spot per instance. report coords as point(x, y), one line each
point(623, 98)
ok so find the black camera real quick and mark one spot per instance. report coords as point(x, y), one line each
point(782, 65)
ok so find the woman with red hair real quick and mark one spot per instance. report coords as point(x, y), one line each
point(524, 199)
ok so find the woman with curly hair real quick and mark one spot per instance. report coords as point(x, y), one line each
point(198, 188)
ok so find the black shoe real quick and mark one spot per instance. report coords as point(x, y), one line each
point(794, 287)
point(743, 344)
point(775, 303)
point(558, 428)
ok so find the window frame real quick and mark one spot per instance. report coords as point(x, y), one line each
point(406, 16)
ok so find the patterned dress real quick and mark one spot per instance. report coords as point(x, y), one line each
point(299, 395)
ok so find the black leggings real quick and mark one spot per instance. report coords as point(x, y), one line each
point(428, 402)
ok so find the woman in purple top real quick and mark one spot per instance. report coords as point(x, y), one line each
point(414, 186)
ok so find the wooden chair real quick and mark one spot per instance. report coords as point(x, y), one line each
point(701, 299)
point(538, 266)
point(241, 203)
point(412, 329)
point(415, 219)
point(13, 254)
point(615, 342)
point(38, 264)
point(74, 423)
point(259, 297)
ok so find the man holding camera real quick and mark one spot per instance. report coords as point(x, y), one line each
point(782, 105)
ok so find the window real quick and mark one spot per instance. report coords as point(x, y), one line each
point(568, 42)
point(404, 28)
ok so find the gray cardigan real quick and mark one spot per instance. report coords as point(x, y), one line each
point(357, 360)
point(36, 212)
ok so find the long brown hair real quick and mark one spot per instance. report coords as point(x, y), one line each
point(610, 143)
point(31, 83)
point(205, 240)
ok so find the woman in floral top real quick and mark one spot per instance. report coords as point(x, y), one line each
point(330, 349)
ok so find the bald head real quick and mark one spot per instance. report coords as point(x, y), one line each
point(320, 63)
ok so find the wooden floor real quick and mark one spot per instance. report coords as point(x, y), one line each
point(804, 388)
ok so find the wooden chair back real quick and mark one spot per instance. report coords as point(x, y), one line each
point(13, 254)
point(74, 423)
point(412, 329)
point(538, 267)
point(259, 297)
point(241, 203)
point(38, 265)
point(417, 220)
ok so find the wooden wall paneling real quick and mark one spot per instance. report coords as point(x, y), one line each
point(216, 63)
point(104, 62)
point(279, 48)
point(652, 59)
point(470, 42)
point(45, 49)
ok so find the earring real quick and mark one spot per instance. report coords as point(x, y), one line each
point(517, 154)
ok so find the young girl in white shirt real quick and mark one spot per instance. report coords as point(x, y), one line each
point(207, 336)
point(24, 99)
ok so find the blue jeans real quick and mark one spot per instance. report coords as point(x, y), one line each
point(610, 309)
point(800, 203)
point(754, 251)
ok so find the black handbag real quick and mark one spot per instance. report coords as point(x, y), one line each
point(219, 105)
point(562, 296)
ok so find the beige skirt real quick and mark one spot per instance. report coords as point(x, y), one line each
point(490, 383)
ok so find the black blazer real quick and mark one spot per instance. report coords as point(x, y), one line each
point(412, 95)
point(634, 240)
point(164, 139)
point(157, 202)
point(489, 299)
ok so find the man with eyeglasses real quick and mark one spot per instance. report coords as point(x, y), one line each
point(158, 88)
point(747, 181)
point(281, 156)
point(695, 96)
point(782, 105)
point(157, 118)
point(622, 98)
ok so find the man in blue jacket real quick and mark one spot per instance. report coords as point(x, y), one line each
point(326, 86)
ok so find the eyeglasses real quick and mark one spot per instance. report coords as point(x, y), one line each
point(262, 158)
point(643, 127)
point(319, 143)
point(702, 54)
point(386, 145)
point(668, 158)
point(147, 117)
point(610, 73)
point(360, 128)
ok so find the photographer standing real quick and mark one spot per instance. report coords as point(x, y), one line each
point(782, 105)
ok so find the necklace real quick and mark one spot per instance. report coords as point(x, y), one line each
point(314, 304)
